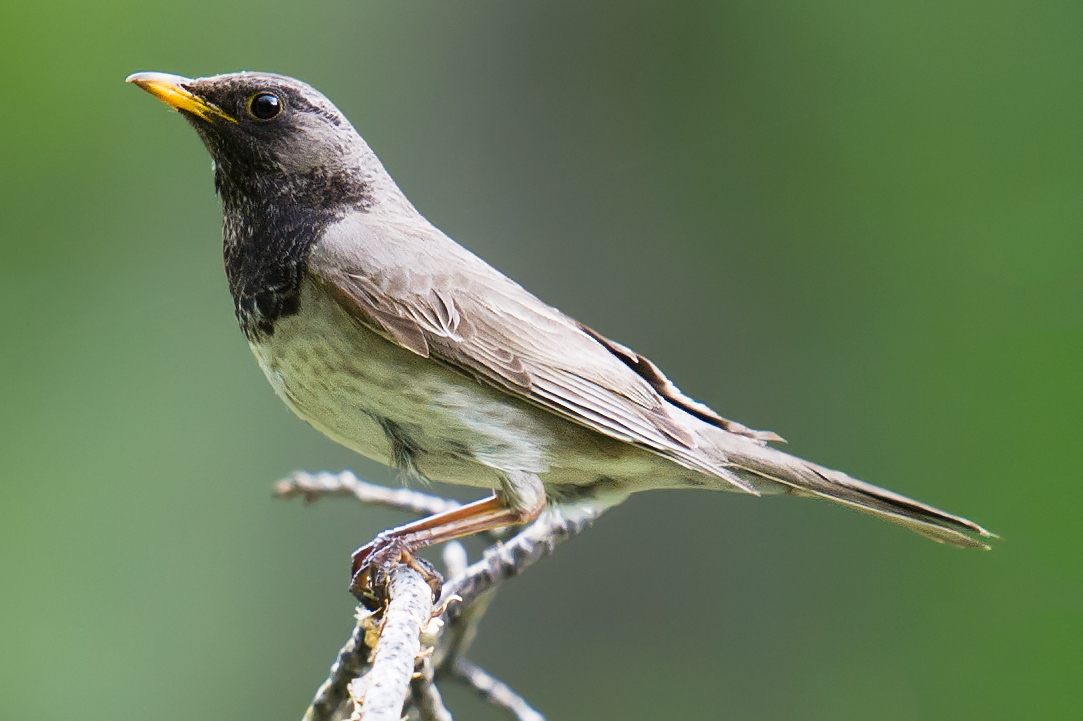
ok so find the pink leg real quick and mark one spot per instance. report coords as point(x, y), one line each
point(398, 544)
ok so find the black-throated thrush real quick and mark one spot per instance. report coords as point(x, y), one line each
point(390, 338)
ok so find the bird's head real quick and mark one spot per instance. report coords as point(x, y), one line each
point(269, 135)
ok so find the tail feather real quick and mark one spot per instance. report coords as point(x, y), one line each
point(804, 478)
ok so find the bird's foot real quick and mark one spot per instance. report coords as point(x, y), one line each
point(372, 564)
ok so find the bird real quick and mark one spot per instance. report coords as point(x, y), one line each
point(387, 336)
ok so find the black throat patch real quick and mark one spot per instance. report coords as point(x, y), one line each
point(270, 223)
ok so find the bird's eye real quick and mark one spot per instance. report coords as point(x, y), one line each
point(264, 106)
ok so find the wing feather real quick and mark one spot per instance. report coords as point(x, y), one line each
point(471, 317)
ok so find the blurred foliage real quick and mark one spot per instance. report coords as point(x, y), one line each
point(857, 224)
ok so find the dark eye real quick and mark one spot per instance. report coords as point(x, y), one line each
point(264, 106)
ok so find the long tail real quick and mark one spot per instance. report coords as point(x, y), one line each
point(764, 467)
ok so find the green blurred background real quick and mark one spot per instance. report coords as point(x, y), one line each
point(857, 224)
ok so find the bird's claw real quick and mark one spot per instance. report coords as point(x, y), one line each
point(372, 564)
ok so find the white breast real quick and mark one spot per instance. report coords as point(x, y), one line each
point(344, 379)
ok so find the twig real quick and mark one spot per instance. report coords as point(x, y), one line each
point(380, 694)
point(431, 705)
point(523, 550)
point(426, 697)
point(476, 584)
point(313, 486)
point(495, 691)
point(348, 665)
point(455, 559)
point(460, 631)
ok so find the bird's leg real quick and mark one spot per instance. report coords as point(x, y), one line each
point(372, 561)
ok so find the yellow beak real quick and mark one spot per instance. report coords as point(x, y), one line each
point(170, 90)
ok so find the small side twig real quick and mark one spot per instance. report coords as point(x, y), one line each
point(313, 486)
point(380, 694)
point(495, 691)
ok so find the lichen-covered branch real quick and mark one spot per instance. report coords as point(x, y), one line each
point(379, 695)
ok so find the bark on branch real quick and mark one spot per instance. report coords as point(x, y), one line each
point(379, 695)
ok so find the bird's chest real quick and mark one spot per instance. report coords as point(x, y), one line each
point(340, 377)
point(368, 393)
